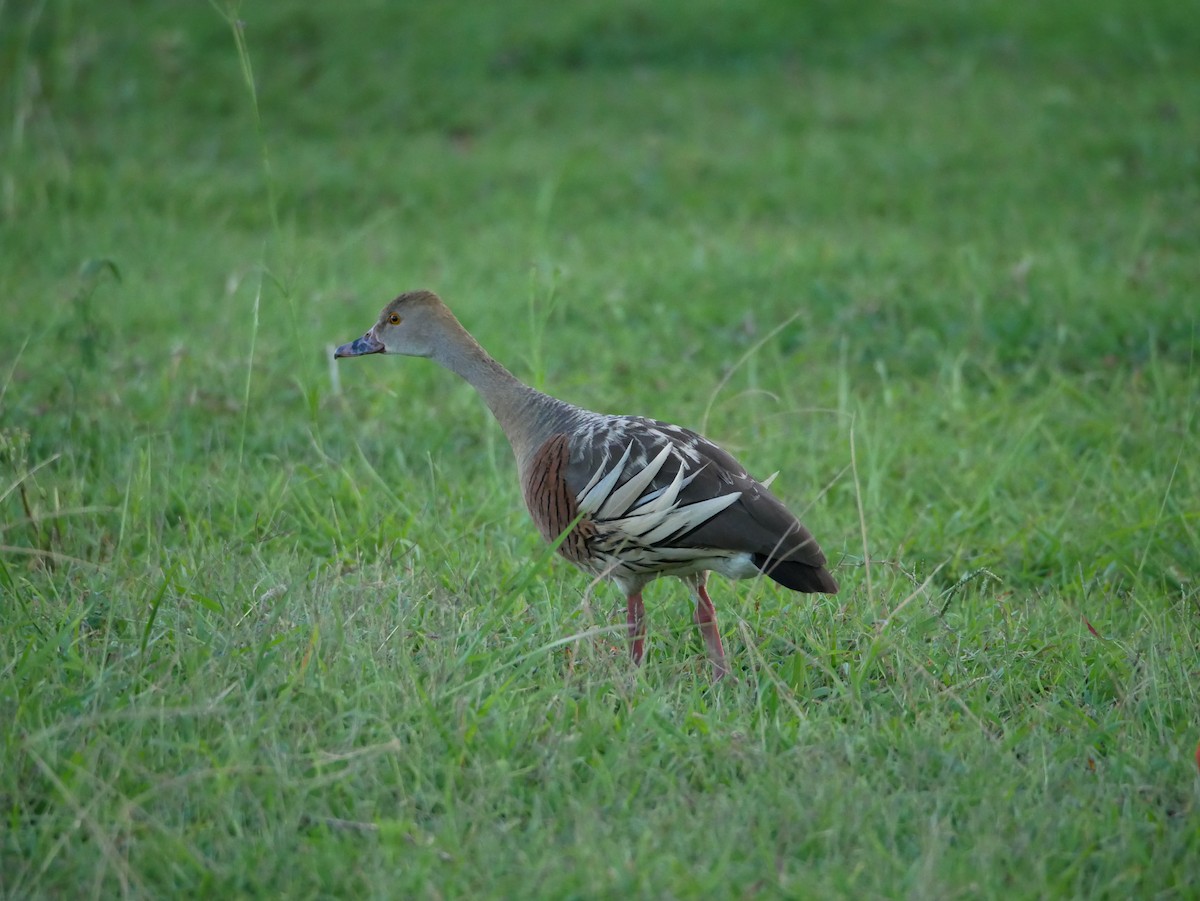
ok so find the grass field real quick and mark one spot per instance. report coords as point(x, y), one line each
point(275, 628)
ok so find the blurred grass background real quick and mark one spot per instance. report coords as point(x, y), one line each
point(271, 627)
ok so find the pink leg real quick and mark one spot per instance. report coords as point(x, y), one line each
point(636, 617)
point(706, 619)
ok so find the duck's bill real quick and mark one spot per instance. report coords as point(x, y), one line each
point(367, 344)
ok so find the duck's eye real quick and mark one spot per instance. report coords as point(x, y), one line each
point(394, 319)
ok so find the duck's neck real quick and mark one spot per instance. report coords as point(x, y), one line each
point(527, 416)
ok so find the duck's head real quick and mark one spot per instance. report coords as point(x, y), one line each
point(411, 325)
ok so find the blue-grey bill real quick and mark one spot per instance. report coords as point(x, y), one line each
point(359, 346)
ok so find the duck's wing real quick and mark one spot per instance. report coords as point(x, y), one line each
point(667, 493)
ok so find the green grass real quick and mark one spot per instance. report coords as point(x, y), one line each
point(273, 629)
